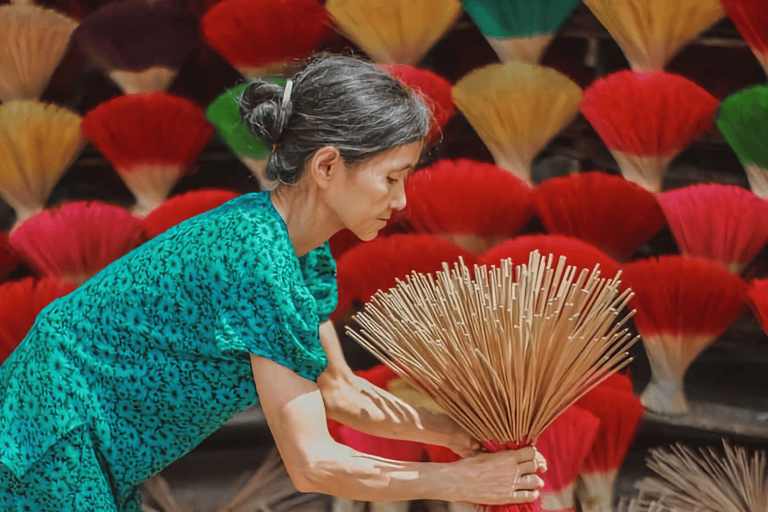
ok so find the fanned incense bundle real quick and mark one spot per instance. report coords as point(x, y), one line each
point(757, 298)
point(224, 114)
point(751, 19)
point(516, 109)
point(435, 90)
point(651, 32)
point(140, 45)
point(645, 120)
point(643, 505)
point(266, 37)
point(577, 253)
point(150, 139)
point(683, 305)
point(503, 353)
point(34, 40)
point(734, 479)
point(9, 259)
point(378, 264)
point(743, 121)
point(75, 241)
point(394, 31)
point(268, 488)
point(565, 444)
point(619, 412)
point(473, 204)
point(720, 223)
point(20, 303)
point(519, 30)
point(607, 211)
point(184, 206)
point(38, 143)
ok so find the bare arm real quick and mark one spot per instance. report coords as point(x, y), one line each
point(295, 413)
point(357, 403)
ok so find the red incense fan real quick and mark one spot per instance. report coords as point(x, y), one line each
point(265, 37)
point(377, 264)
point(577, 253)
point(720, 223)
point(20, 303)
point(751, 19)
point(683, 305)
point(619, 412)
point(475, 205)
point(435, 90)
point(604, 210)
point(9, 259)
point(150, 139)
point(184, 206)
point(646, 120)
point(757, 299)
point(565, 444)
point(75, 241)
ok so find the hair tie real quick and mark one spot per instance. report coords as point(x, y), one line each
point(287, 91)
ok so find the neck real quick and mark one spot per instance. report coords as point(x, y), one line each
point(310, 223)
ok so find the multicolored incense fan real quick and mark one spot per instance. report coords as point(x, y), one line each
point(224, 114)
point(516, 109)
point(151, 140)
point(140, 45)
point(504, 352)
point(646, 120)
point(651, 32)
point(519, 30)
point(34, 40)
point(38, 143)
point(743, 121)
point(394, 31)
point(607, 211)
point(263, 38)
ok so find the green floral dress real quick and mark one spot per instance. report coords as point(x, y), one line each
point(137, 366)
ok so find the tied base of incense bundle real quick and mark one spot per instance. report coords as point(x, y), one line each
point(506, 351)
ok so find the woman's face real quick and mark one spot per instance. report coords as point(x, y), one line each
point(365, 197)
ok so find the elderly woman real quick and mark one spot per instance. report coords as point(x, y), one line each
point(229, 309)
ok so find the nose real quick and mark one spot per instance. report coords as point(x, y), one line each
point(398, 196)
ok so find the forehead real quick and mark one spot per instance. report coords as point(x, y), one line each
point(396, 159)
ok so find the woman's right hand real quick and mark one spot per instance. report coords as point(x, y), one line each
point(505, 477)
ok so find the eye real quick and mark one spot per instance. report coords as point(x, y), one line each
point(390, 179)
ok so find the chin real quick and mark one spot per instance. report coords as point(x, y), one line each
point(367, 237)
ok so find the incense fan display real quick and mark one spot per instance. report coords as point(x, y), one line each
point(394, 31)
point(519, 30)
point(516, 109)
point(604, 210)
point(25, 70)
point(647, 119)
point(751, 20)
point(720, 223)
point(9, 259)
point(757, 298)
point(743, 121)
point(530, 339)
point(683, 305)
point(263, 38)
point(140, 45)
point(184, 206)
point(475, 205)
point(708, 479)
point(38, 143)
point(224, 114)
point(151, 140)
point(651, 32)
point(73, 242)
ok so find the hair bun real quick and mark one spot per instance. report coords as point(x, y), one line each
point(263, 111)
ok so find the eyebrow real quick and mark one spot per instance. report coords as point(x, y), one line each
point(408, 168)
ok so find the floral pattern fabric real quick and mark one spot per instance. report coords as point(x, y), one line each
point(151, 355)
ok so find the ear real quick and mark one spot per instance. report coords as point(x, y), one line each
point(324, 164)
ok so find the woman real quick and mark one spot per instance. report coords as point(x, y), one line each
point(228, 309)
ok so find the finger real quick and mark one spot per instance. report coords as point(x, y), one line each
point(526, 468)
point(530, 483)
point(541, 462)
point(523, 496)
point(525, 454)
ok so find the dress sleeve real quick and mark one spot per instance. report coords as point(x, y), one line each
point(259, 317)
point(319, 270)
